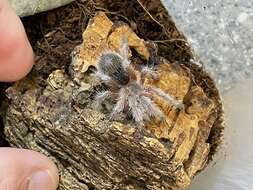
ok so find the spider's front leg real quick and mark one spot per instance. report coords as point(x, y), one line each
point(143, 109)
point(102, 96)
point(149, 71)
point(120, 105)
point(167, 97)
point(155, 111)
point(101, 76)
point(143, 73)
point(124, 52)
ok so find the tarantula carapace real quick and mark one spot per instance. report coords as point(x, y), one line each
point(125, 86)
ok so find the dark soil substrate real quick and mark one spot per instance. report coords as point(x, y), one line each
point(54, 34)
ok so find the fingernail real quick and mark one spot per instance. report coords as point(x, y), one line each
point(41, 180)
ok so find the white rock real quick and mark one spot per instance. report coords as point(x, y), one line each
point(217, 26)
point(30, 7)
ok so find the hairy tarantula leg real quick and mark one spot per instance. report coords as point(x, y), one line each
point(120, 105)
point(163, 120)
point(102, 76)
point(124, 47)
point(136, 107)
point(168, 98)
point(154, 111)
point(137, 111)
point(124, 50)
point(102, 96)
point(149, 71)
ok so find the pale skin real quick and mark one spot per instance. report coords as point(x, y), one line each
point(20, 169)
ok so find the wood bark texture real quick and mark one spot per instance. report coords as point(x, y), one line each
point(59, 117)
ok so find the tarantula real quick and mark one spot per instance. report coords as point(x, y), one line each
point(125, 84)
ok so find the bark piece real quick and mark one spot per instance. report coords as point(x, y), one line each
point(60, 119)
point(101, 36)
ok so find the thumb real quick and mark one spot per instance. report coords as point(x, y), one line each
point(26, 170)
point(16, 56)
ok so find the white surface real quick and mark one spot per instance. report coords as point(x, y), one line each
point(234, 167)
point(221, 33)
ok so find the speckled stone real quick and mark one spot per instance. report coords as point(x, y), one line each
point(221, 32)
point(30, 7)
